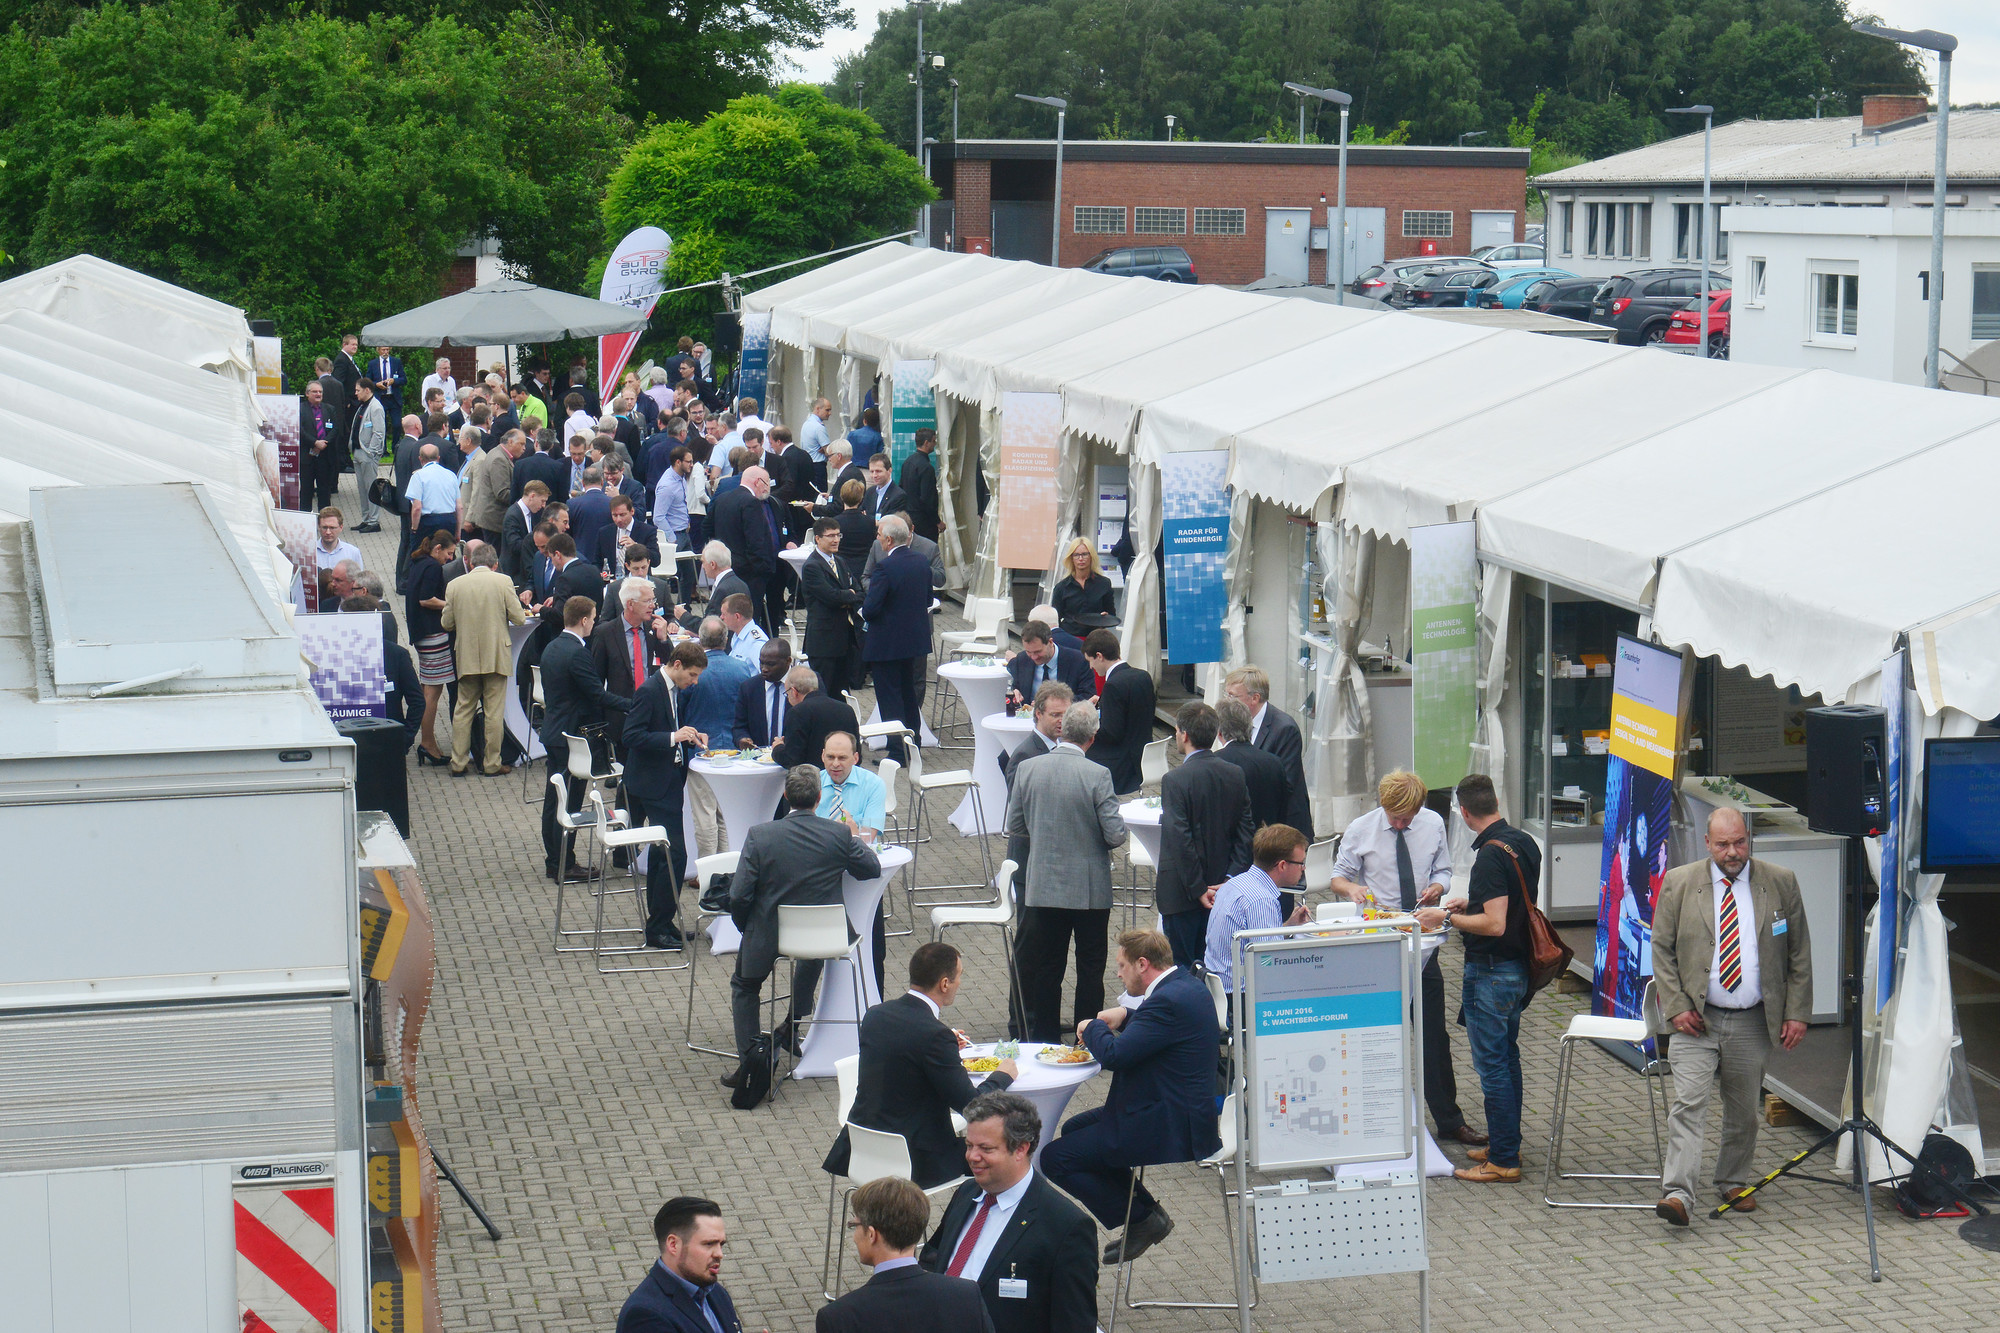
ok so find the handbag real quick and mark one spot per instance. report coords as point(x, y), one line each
point(599, 737)
point(382, 493)
point(1548, 957)
point(715, 900)
point(753, 1083)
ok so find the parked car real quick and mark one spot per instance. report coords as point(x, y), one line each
point(1378, 280)
point(1511, 256)
point(1443, 288)
point(1639, 304)
point(1568, 297)
point(1168, 263)
point(1684, 327)
point(1514, 284)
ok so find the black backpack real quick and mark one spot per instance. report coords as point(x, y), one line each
point(1922, 1195)
point(754, 1081)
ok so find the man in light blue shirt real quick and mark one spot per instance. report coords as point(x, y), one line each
point(711, 710)
point(746, 636)
point(847, 791)
point(812, 435)
point(432, 495)
point(670, 505)
point(1249, 901)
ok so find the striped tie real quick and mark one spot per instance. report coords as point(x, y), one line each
point(1730, 943)
point(839, 808)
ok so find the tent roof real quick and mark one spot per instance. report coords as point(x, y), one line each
point(829, 329)
point(873, 335)
point(1044, 301)
point(788, 321)
point(826, 275)
point(94, 294)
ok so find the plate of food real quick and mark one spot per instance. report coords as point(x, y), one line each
point(1063, 1055)
point(980, 1064)
point(720, 754)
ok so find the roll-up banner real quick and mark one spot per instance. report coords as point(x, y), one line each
point(1030, 425)
point(345, 650)
point(1638, 818)
point(298, 533)
point(1194, 538)
point(910, 409)
point(270, 355)
point(753, 378)
point(1444, 648)
point(1888, 918)
point(634, 277)
point(280, 430)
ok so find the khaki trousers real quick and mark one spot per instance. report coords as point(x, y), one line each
point(707, 815)
point(1736, 1047)
point(474, 692)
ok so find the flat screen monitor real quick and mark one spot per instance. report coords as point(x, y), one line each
point(1961, 805)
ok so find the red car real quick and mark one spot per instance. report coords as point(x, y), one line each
point(1684, 328)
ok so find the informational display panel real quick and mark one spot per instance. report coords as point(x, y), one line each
point(1444, 648)
point(1645, 705)
point(1638, 813)
point(1890, 880)
point(911, 408)
point(755, 374)
point(634, 277)
point(1030, 426)
point(1194, 526)
point(1328, 1049)
point(345, 650)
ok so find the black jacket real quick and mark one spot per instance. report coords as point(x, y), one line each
point(575, 579)
point(909, 1082)
point(1205, 830)
point(1070, 667)
point(808, 724)
point(832, 600)
point(920, 487)
point(1051, 1245)
point(909, 1298)
point(1280, 736)
point(893, 502)
point(738, 520)
point(1264, 774)
point(655, 765)
point(792, 475)
point(573, 694)
point(549, 470)
point(611, 649)
point(517, 545)
point(1094, 598)
point(1124, 725)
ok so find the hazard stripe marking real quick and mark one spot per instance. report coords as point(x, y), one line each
point(285, 1267)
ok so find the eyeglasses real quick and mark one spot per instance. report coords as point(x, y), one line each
point(1290, 862)
point(852, 1225)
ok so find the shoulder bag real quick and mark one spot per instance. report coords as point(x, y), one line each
point(1548, 957)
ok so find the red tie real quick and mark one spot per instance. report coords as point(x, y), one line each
point(638, 659)
point(970, 1238)
point(1731, 944)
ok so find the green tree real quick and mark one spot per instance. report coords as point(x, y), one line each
point(768, 179)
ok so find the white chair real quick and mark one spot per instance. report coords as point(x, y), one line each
point(892, 832)
point(616, 835)
point(887, 769)
point(1221, 998)
point(1653, 1069)
point(812, 934)
point(1319, 864)
point(705, 870)
point(571, 826)
point(1221, 1161)
point(871, 1155)
point(1153, 761)
point(988, 616)
point(1340, 911)
point(1001, 915)
point(536, 705)
point(1137, 858)
point(958, 779)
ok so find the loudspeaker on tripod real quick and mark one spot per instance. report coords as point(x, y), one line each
point(728, 337)
point(1844, 770)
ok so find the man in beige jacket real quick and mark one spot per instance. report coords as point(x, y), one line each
point(491, 482)
point(1732, 965)
point(478, 608)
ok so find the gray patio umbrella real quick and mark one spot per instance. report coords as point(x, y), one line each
point(506, 311)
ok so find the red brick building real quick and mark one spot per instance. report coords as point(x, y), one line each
point(1239, 210)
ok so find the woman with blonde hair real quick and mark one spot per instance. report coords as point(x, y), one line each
point(1083, 597)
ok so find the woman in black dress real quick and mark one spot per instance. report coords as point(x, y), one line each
point(857, 529)
point(1083, 591)
point(423, 612)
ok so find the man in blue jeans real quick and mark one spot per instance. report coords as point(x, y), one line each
point(1494, 923)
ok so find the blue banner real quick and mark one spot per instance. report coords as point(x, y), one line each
point(1322, 1013)
point(1888, 914)
point(1638, 812)
point(1194, 537)
point(755, 374)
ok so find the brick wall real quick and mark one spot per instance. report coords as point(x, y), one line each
point(1253, 188)
point(463, 277)
point(972, 200)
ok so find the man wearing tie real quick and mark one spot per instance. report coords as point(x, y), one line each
point(884, 496)
point(1040, 662)
point(385, 372)
point(761, 703)
point(897, 610)
point(1732, 964)
point(319, 443)
point(657, 750)
point(1396, 857)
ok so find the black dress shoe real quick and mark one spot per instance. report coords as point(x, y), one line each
point(786, 1038)
point(734, 1078)
point(1466, 1134)
point(579, 875)
point(1139, 1237)
point(666, 939)
point(368, 527)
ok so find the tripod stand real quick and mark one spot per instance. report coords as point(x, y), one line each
point(466, 1195)
point(1858, 1122)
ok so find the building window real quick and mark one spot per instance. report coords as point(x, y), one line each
point(1985, 304)
point(1590, 230)
point(1565, 237)
point(1220, 221)
point(1835, 297)
point(1642, 239)
point(1687, 243)
point(1426, 222)
point(1094, 220)
point(1159, 222)
point(1755, 294)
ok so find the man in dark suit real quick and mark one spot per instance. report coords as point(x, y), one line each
point(517, 533)
point(1032, 1252)
point(1276, 734)
point(898, 611)
point(681, 1293)
point(1051, 702)
point(910, 1079)
point(573, 696)
point(832, 600)
point(346, 370)
point(1040, 661)
point(1124, 711)
point(658, 745)
point(1263, 773)
point(795, 861)
point(763, 696)
point(840, 459)
point(884, 496)
point(630, 641)
point(811, 715)
point(322, 453)
point(920, 485)
point(793, 479)
point(590, 517)
point(1161, 1107)
point(890, 1214)
point(743, 521)
point(1205, 833)
point(546, 468)
point(568, 577)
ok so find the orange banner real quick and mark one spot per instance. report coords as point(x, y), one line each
point(1030, 430)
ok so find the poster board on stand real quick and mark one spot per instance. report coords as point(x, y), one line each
point(754, 365)
point(1645, 744)
point(1444, 649)
point(1194, 536)
point(345, 653)
point(1030, 426)
point(912, 407)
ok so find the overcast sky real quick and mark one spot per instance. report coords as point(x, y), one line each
point(1975, 73)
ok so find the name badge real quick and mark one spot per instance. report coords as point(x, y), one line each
point(1778, 926)
point(1014, 1288)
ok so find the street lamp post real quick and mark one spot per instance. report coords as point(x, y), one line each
point(1703, 234)
point(1061, 108)
point(859, 84)
point(1170, 129)
point(954, 110)
point(1944, 44)
point(1336, 242)
point(1470, 134)
point(929, 143)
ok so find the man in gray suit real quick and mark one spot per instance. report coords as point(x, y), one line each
point(1063, 805)
point(1052, 700)
point(795, 861)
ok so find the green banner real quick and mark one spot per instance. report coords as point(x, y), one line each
point(911, 407)
point(1444, 649)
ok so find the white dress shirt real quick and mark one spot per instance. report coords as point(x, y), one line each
point(989, 1235)
point(936, 1012)
point(1368, 855)
point(1749, 990)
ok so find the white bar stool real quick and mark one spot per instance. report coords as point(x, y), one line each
point(812, 934)
point(572, 825)
point(705, 870)
point(1002, 916)
point(1592, 1028)
point(616, 834)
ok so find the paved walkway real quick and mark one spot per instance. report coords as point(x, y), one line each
point(568, 1103)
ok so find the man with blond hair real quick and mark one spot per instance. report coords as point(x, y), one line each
point(1396, 857)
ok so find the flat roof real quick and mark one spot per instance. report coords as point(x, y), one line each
point(1252, 154)
point(1797, 152)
